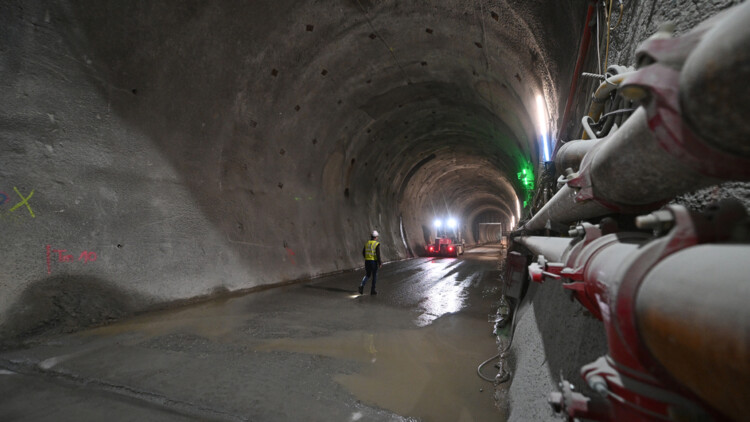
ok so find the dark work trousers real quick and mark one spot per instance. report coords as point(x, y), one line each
point(371, 267)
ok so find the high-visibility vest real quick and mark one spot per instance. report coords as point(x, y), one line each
point(370, 247)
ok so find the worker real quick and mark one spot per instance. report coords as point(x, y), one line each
point(371, 252)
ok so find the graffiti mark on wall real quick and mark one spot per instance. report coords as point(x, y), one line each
point(290, 253)
point(24, 202)
point(63, 256)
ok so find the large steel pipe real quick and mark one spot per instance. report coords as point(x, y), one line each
point(631, 169)
point(675, 308)
point(570, 155)
point(628, 170)
point(692, 312)
point(553, 248)
point(564, 208)
point(688, 134)
point(713, 84)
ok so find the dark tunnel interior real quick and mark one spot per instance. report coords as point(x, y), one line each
point(160, 154)
point(292, 129)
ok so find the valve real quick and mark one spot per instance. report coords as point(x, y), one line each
point(568, 402)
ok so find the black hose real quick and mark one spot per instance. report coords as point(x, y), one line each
point(505, 374)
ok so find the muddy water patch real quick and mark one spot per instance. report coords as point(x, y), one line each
point(216, 320)
point(428, 372)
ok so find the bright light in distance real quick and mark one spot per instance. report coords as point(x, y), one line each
point(542, 117)
point(437, 223)
point(512, 222)
point(452, 223)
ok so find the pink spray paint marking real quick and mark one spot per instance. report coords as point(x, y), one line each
point(63, 257)
point(291, 255)
point(49, 263)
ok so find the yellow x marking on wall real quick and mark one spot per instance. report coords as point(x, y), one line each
point(24, 201)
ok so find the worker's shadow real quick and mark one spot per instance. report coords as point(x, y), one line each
point(332, 289)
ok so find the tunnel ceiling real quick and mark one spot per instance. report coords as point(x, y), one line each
point(417, 104)
point(203, 146)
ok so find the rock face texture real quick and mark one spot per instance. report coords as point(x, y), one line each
point(153, 152)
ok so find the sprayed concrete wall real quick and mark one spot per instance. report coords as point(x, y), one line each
point(555, 336)
point(154, 152)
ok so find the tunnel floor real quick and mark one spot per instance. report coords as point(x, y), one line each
point(312, 351)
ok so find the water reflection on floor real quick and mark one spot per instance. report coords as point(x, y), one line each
point(316, 351)
point(428, 373)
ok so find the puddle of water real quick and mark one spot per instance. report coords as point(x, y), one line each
point(427, 373)
point(213, 320)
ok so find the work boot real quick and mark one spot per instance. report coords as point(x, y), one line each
point(373, 292)
point(361, 289)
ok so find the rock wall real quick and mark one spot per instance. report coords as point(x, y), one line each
point(153, 152)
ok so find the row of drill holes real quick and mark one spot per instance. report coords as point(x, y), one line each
point(324, 72)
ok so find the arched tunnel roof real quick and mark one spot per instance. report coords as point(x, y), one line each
point(272, 136)
point(416, 103)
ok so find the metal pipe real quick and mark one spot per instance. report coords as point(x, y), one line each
point(563, 208)
point(674, 310)
point(631, 169)
point(582, 53)
point(714, 94)
point(627, 170)
point(570, 155)
point(655, 155)
point(553, 248)
point(693, 315)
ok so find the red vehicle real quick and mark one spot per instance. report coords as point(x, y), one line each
point(448, 241)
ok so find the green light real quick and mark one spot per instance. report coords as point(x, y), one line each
point(526, 176)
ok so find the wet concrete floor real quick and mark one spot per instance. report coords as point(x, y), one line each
point(316, 351)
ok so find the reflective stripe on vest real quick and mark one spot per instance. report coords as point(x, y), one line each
point(370, 247)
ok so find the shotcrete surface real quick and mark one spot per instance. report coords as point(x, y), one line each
point(313, 351)
point(198, 147)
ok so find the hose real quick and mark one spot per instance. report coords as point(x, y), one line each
point(605, 89)
point(588, 132)
point(610, 117)
point(479, 368)
point(582, 52)
point(506, 375)
point(619, 18)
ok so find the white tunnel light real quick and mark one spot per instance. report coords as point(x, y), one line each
point(437, 222)
point(518, 208)
point(452, 223)
point(542, 117)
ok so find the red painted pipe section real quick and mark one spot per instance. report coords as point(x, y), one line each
point(676, 336)
point(582, 52)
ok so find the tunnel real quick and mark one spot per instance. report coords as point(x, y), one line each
point(157, 155)
point(224, 148)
